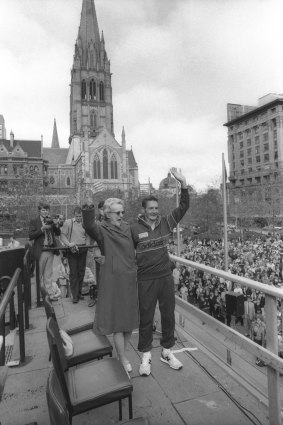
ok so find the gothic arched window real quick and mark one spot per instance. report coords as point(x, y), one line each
point(96, 168)
point(92, 89)
point(105, 164)
point(101, 90)
point(114, 167)
point(92, 119)
point(83, 89)
point(91, 58)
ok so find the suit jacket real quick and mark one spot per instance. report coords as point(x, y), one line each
point(38, 236)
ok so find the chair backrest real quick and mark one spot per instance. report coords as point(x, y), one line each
point(56, 402)
point(49, 309)
point(58, 356)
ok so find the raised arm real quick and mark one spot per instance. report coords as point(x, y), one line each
point(177, 214)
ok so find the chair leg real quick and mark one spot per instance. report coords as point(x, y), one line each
point(130, 407)
point(120, 410)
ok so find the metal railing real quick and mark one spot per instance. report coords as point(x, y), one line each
point(16, 280)
point(269, 354)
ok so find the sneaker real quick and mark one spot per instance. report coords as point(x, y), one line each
point(145, 367)
point(168, 357)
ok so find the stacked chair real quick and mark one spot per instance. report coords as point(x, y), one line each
point(87, 345)
point(57, 405)
point(88, 385)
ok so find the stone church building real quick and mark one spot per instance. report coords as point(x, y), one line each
point(94, 159)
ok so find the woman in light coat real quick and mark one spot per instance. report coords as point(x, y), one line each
point(117, 303)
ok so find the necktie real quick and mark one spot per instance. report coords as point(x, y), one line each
point(49, 237)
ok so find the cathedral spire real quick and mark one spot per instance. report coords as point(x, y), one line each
point(88, 30)
point(55, 140)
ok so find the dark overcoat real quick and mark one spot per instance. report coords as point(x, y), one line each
point(37, 235)
point(117, 303)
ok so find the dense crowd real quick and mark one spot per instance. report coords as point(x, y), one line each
point(259, 259)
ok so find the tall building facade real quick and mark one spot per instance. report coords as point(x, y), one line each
point(255, 155)
point(94, 155)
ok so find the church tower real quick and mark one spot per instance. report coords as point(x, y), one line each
point(91, 108)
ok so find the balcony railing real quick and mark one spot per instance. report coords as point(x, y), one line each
point(268, 355)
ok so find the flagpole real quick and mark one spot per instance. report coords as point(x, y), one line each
point(178, 226)
point(224, 179)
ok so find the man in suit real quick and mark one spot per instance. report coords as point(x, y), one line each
point(42, 231)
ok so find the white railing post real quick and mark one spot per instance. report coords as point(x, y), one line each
point(272, 374)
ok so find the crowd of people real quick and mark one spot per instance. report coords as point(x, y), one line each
point(134, 272)
point(259, 259)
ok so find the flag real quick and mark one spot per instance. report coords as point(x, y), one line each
point(97, 187)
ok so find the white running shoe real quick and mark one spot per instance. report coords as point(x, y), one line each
point(145, 367)
point(168, 357)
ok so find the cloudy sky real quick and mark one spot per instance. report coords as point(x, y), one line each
point(175, 63)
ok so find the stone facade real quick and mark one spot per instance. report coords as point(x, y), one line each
point(94, 156)
point(255, 154)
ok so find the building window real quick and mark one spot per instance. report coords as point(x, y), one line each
point(83, 90)
point(92, 89)
point(105, 164)
point(101, 90)
point(114, 168)
point(256, 140)
point(91, 58)
point(276, 155)
point(265, 137)
point(250, 160)
point(266, 147)
point(266, 157)
point(242, 154)
point(240, 135)
point(3, 186)
point(250, 180)
point(256, 129)
point(92, 120)
point(257, 179)
point(249, 142)
point(250, 170)
point(96, 168)
point(275, 134)
point(275, 144)
point(242, 163)
point(257, 149)
point(258, 158)
point(249, 151)
point(242, 182)
point(241, 145)
point(68, 181)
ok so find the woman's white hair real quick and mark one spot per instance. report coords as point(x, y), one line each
point(112, 201)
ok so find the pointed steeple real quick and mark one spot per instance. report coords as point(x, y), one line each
point(88, 26)
point(55, 140)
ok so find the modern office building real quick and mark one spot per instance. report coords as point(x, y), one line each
point(255, 155)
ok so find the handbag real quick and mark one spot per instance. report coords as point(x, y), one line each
point(67, 343)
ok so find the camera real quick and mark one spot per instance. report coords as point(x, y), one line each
point(49, 220)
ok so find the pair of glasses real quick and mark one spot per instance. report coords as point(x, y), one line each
point(118, 212)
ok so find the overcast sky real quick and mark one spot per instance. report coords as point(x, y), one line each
point(175, 63)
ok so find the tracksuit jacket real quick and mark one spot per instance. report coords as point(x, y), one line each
point(151, 245)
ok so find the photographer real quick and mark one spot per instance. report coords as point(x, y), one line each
point(73, 235)
point(42, 231)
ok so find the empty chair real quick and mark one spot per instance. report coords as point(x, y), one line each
point(87, 345)
point(57, 405)
point(88, 385)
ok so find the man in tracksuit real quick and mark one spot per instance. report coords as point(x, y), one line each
point(155, 282)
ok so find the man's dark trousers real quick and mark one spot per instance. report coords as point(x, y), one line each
point(77, 263)
point(150, 291)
